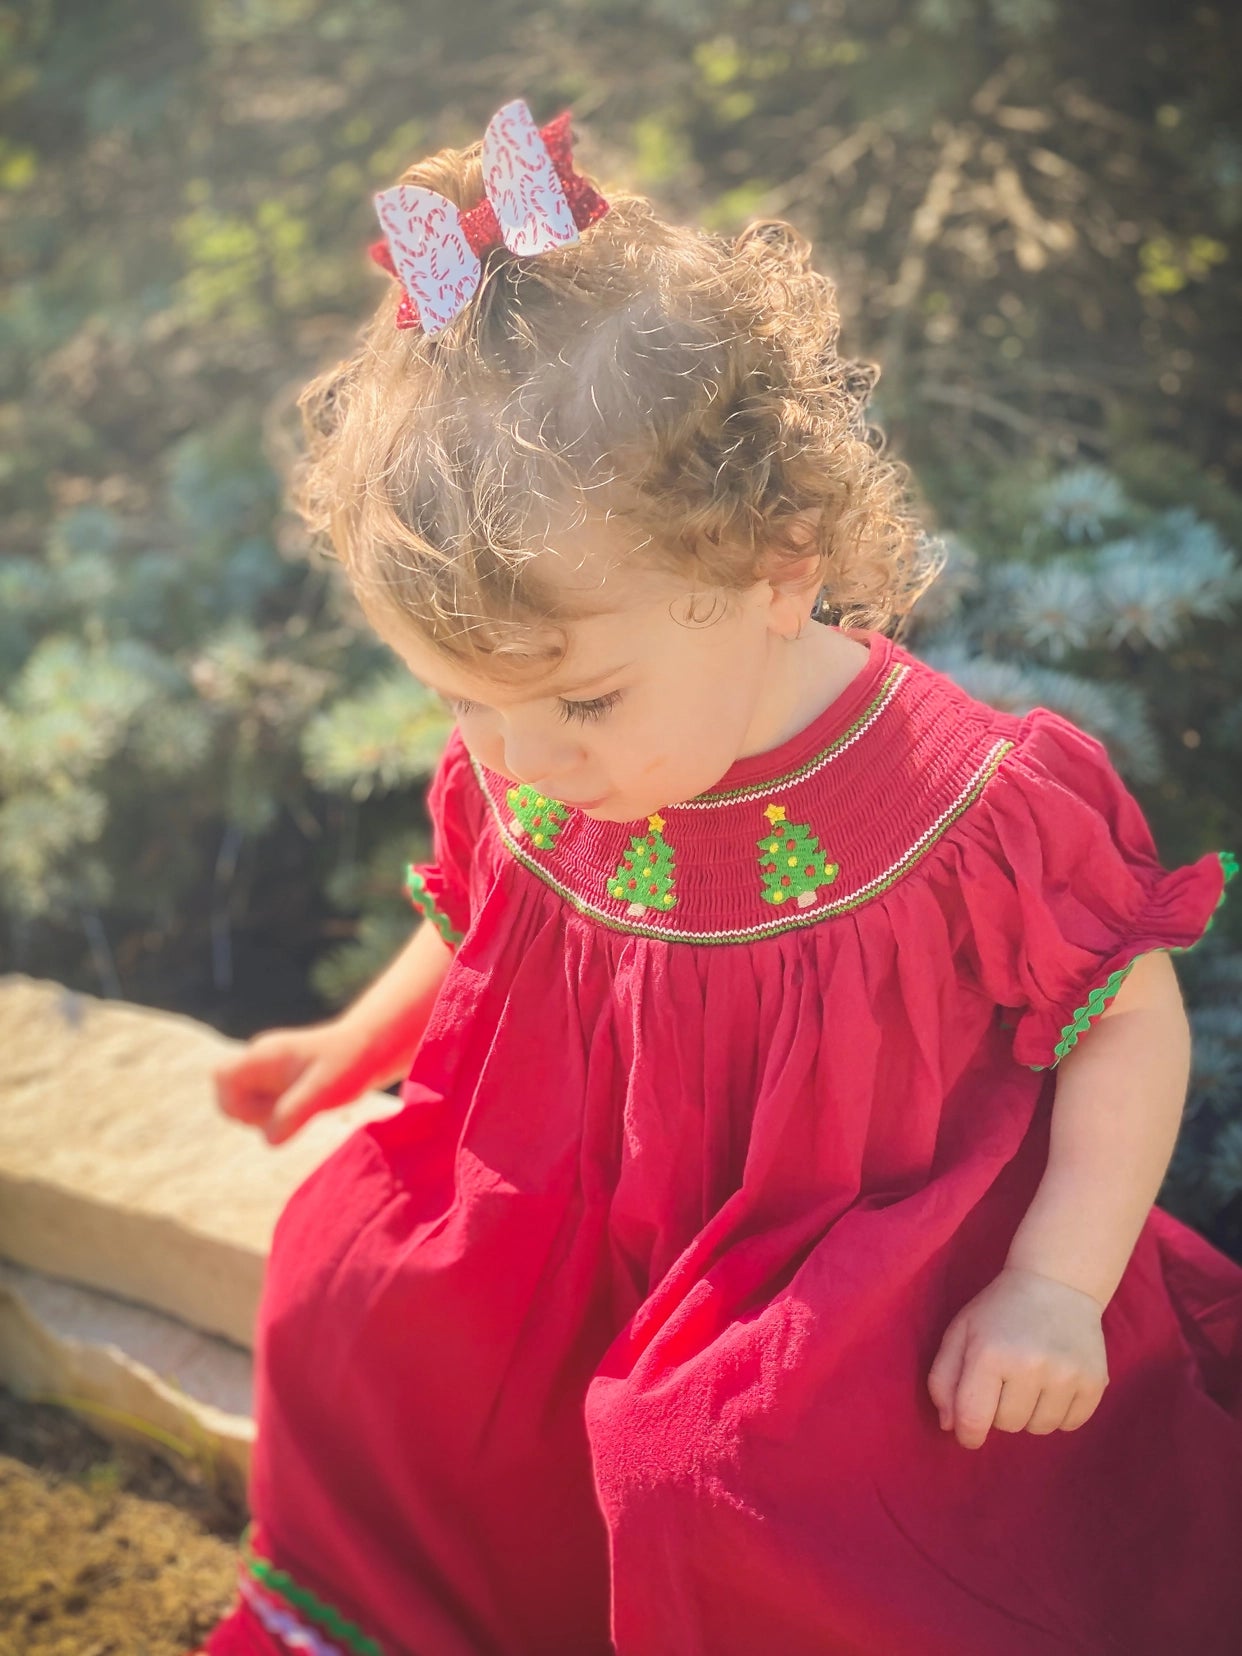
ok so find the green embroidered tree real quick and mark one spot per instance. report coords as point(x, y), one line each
point(645, 873)
point(536, 815)
point(791, 861)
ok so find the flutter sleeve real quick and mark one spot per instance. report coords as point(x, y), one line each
point(439, 890)
point(1064, 889)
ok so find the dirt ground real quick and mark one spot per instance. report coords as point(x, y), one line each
point(104, 1550)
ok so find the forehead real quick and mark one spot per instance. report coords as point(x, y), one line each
point(615, 596)
point(595, 547)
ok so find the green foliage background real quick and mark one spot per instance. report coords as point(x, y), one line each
point(211, 773)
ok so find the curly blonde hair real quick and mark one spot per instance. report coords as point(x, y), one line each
point(696, 377)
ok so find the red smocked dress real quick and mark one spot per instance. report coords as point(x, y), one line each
point(616, 1337)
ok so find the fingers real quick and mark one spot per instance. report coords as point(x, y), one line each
point(1026, 1354)
point(946, 1370)
point(977, 1400)
point(291, 1114)
point(283, 1077)
point(1034, 1409)
point(1051, 1406)
point(1026, 1406)
point(1085, 1403)
point(986, 1399)
point(278, 1114)
point(309, 1094)
point(248, 1085)
point(239, 1102)
point(235, 1096)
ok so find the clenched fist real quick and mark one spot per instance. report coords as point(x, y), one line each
point(1025, 1355)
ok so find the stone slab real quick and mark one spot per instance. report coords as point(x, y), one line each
point(130, 1373)
point(119, 1172)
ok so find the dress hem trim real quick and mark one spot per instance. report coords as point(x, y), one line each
point(281, 1584)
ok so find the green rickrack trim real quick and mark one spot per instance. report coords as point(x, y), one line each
point(1099, 998)
point(278, 1581)
point(425, 903)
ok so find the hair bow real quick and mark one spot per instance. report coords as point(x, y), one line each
point(533, 201)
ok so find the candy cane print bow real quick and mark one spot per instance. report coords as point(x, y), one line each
point(533, 201)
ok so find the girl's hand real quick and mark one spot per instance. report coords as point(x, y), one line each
point(1027, 1354)
point(284, 1076)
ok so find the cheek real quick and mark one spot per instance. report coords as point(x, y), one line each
point(712, 715)
point(485, 747)
point(682, 749)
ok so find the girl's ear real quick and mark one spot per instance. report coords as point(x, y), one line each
point(796, 551)
point(794, 574)
point(795, 564)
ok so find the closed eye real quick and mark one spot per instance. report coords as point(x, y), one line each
point(586, 711)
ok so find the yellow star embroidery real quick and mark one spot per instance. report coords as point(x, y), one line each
point(656, 823)
point(775, 814)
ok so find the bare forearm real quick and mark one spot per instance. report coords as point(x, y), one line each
point(1118, 1106)
point(388, 1019)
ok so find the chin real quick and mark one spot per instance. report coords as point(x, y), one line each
point(608, 812)
point(617, 807)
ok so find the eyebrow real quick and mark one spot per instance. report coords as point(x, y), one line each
point(567, 692)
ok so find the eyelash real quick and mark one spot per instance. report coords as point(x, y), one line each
point(588, 711)
point(585, 712)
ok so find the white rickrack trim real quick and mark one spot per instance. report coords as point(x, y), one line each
point(796, 777)
point(290, 1629)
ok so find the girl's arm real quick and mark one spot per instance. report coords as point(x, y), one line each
point(1115, 1118)
point(283, 1077)
point(387, 1021)
point(1028, 1354)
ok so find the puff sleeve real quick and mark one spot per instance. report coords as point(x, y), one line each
point(440, 890)
point(1064, 889)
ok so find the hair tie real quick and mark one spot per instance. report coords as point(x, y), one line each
point(533, 201)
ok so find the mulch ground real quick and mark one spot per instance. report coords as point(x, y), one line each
point(105, 1550)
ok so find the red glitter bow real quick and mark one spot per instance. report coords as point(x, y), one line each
point(480, 226)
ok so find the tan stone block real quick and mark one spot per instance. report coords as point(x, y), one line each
point(117, 1168)
point(130, 1373)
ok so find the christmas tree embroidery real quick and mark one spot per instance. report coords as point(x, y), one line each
point(535, 814)
point(644, 875)
point(791, 861)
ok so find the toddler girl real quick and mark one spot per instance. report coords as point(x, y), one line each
point(764, 1259)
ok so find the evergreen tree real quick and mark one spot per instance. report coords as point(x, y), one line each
point(644, 875)
point(537, 816)
point(791, 861)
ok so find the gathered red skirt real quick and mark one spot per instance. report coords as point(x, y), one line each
point(479, 1437)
